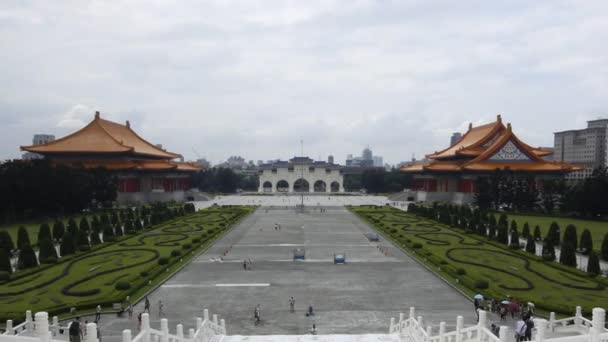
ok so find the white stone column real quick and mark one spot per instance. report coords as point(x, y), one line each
point(223, 326)
point(503, 334)
point(412, 312)
point(55, 326)
point(419, 320)
point(42, 326)
point(577, 316)
point(126, 335)
point(164, 329)
point(551, 321)
point(459, 326)
point(598, 320)
point(180, 333)
point(482, 323)
point(145, 327)
point(541, 328)
point(9, 327)
point(191, 333)
point(91, 332)
point(441, 331)
point(29, 323)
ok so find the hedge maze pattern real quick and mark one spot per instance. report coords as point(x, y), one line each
point(91, 278)
point(547, 284)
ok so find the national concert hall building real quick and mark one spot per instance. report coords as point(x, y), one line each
point(449, 175)
point(144, 172)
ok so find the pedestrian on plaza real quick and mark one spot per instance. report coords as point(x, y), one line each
point(529, 327)
point(311, 311)
point(292, 304)
point(503, 313)
point(520, 330)
point(256, 314)
point(313, 330)
point(245, 265)
point(74, 331)
point(147, 305)
point(84, 328)
point(130, 310)
point(98, 313)
point(139, 321)
point(160, 308)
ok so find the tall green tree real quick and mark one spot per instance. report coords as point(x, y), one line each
point(72, 227)
point(46, 250)
point(548, 250)
point(82, 240)
point(605, 247)
point(567, 255)
point(58, 230)
point(593, 264)
point(537, 235)
point(554, 233)
point(23, 238)
point(586, 244)
point(27, 257)
point(531, 245)
point(44, 232)
point(525, 232)
point(514, 238)
point(95, 224)
point(95, 240)
point(6, 242)
point(570, 235)
point(84, 225)
point(68, 244)
point(5, 261)
point(108, 233)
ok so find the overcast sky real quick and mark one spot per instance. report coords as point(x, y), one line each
point(221, 78)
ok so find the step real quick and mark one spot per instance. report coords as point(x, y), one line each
point(316, 338)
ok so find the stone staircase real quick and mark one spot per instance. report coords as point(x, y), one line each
point(316, 338)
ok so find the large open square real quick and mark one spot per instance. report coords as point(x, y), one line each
point(358, 297)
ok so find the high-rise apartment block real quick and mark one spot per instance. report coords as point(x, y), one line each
point(585, 147)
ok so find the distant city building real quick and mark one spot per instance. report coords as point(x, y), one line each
point(585, 147)
point(367, 154)
point(455, 137)
point(260, 162)
point(366, 160)
point(378, 161)
point(204, 163)
point(38, 139)
point(301, 174)
point(330, 159)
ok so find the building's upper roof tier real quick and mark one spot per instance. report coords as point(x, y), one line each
point(489, 147)
point(136, 165)
point(477, 140)
point(102, 137)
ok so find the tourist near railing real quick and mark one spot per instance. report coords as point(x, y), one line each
point(586, 330)
point(39, 330)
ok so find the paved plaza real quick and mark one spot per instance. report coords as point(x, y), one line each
point(356, 298)
point(311, 200)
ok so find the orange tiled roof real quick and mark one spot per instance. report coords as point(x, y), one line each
point(481, 149)
point(147, 165)
point(102, 136)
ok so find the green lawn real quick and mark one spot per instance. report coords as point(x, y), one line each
point(597, 228)
point(549, 285)
point(89, 278)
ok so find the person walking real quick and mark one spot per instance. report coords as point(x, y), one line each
point(245, 265)
point(139, 321)
point(161, 313)
point(147, 305)
point(292, 304)
point(74, 331)
point(520, 330)
point(256, 314)
point(130, 310)
point(528, 328)
point(98, 313)
point(98, 332)
point(313, 330)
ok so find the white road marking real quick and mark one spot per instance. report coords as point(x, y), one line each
point(242, 285)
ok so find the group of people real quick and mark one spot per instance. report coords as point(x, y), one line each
point(292, 304)
point(525, 323)
point(277, 227)
point(248, 265)
point(78, 331)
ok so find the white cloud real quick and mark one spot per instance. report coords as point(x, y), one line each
point(75, 118)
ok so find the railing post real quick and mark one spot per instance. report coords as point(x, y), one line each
point(29, 324)
point(206, 314)
point(459, 326)
point(145, 326)
point(541, 327)
point(390, 329)
point(223, 326)
point(598, 320)
point(9, 327)
point(91, 332)
point(199, 323)
point(126, 335)
point(429, 331)
point(483, 316)
point(164, 329)
point(180, 333)
point(55, 326)
point(419, 320)
point(552, 321)
point(191, 334)
point(412, 312)
point(503, 334)
point(577, 316)
point(42, 326)
point(441, 331)
point(215, 319)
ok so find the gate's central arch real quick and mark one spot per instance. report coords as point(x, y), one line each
point(301, 174)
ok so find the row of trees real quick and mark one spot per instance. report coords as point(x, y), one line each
point(505, 190)
point(223, 180)
point(485, 224)
point(378, 180)
point(83, 236)
point(34, 188)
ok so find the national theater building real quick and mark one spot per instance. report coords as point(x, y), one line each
point(144, 172)
point(449, 175)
